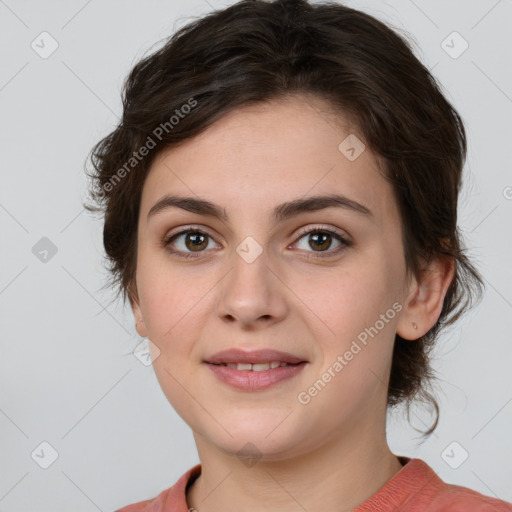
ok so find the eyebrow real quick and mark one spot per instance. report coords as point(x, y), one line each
point(281, 212)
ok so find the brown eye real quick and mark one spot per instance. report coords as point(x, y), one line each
point(187, 242)
point(321, 241)
point(195, 240)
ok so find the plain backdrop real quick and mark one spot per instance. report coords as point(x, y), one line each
point(73, 396)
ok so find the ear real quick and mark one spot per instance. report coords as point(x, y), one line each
point(133, 296)
point(425, 299)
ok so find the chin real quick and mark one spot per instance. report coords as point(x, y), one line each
point(254, 442)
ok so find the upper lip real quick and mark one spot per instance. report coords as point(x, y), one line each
point(256, 356)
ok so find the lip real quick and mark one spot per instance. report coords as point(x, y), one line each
point(249, 380)
point(255, 356)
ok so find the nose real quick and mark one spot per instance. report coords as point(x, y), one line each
point(252, 294)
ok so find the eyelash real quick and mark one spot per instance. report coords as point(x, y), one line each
point(315, 254)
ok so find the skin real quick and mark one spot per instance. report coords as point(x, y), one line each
point(330, 454)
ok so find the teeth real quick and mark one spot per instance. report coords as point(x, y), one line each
point(259, 367)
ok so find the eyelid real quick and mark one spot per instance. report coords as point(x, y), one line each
point(322, 227)
point(185, 229)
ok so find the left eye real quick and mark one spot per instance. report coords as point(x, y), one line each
point(320, 240)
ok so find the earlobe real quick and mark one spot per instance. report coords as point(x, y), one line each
point(425, 302)
point(140, 326)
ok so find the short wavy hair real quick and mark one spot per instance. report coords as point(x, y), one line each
point(259, 51)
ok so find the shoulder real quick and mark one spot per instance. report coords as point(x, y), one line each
point(454, 498)
point(172, 499)
point(439, 496)
point(418, 488)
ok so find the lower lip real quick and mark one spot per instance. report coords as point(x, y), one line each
point(249, 380)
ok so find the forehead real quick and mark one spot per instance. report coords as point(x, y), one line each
point(261, 155)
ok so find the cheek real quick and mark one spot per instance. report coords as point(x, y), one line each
point(345, 301)
point(359, 307)
point(360, 310)
point(170, 297)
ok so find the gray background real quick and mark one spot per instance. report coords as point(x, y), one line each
point(67, 373)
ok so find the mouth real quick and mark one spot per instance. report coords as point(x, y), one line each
point(254, 370)
point(255, 360)
point(257, 367)
point(253, 377)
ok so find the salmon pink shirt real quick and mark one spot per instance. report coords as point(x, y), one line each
point(415, 488)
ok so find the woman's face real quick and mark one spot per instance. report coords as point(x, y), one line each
point(258, 280)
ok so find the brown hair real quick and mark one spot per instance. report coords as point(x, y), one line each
point(255, 51)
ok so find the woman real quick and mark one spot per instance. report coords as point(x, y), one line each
point(280, 205)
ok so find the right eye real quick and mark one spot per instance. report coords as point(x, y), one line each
point(192, 240)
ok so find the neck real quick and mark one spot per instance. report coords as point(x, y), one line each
point(339, 475)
